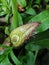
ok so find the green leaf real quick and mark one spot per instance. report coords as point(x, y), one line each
point(30, 11)
point(7, 18)
point(5, 61)
point(41, 39)
point(32, 47)
point(4, 2)
point(16, 19)
point(7, 30)
point(2, 13)
point(42, 17)
point(20, 22)
point(6, 50)
point(2, 58)
point(5, 8)
point(43, 43)
point(15, 60)
point(30, 58)
point(22, 3)
point(38, 1)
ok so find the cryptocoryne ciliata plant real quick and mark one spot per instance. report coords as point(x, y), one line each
point(22, 33)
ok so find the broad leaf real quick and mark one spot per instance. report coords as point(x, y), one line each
point(41, 39)
point(32, 47)
point(44, 43)
point(5, 61)
point(16, 19)
point(42, 17)
point(30, 58)
point(30, 11)
point(7, 30)
point(22, 3)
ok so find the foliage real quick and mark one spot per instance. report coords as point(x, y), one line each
point(14, 13)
